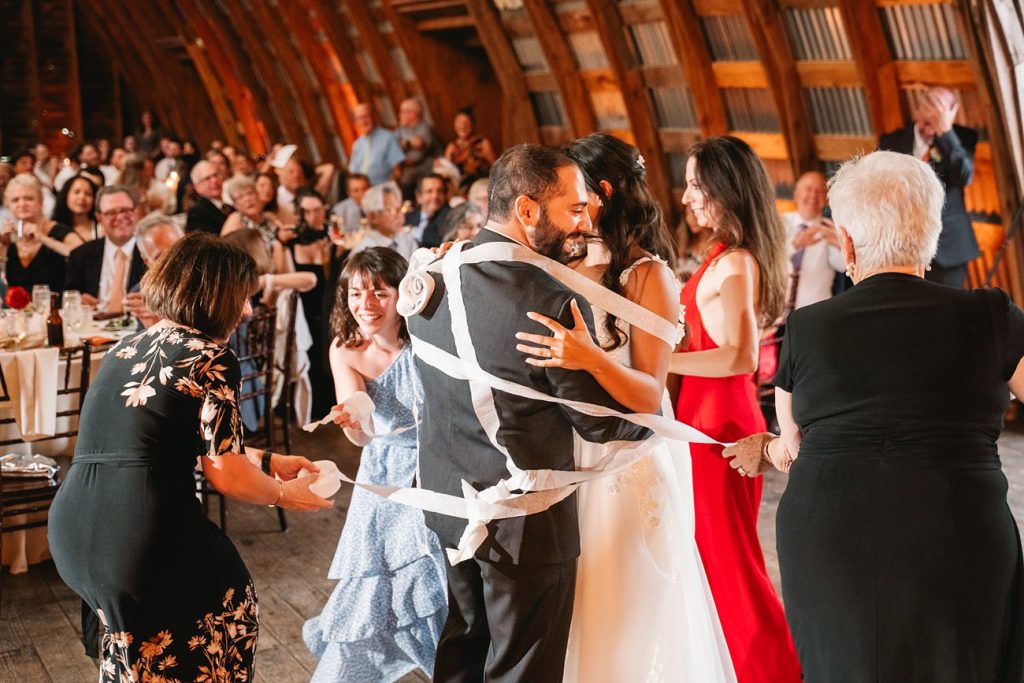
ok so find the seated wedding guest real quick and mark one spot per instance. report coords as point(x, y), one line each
point(463, 222)
point(75, 215)
point(427, 220)
point(266, 192)
point(249, 214)
point(149, 193)
point(274, 266)
point(126, 530)
point(29, 259)
point(382, 205)
point(349, 211)
point(384, 617)
point(171, 160)
point(478, 194)
point(112, 169)
point(154, 236)
point(83, 155)
point(24, 161)
point(900, 559)
point(23, 201)
point(209, 212)
point(472, 153)
point(813, 245)
point(105, 270)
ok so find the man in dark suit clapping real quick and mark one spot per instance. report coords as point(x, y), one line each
point(949, 148)
point(105, 270)
point(510, 605)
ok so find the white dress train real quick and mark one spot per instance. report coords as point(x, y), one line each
point(643, 610)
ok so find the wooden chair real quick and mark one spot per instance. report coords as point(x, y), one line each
point(27, 497)
point(253, 343)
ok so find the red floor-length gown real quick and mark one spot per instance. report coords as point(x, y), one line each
point(726, 409)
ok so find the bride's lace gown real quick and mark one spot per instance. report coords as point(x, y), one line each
point(643, 609)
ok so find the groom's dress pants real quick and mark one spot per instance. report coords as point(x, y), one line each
point(506, 622)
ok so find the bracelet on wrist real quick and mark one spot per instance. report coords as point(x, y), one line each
point(280, 494)
point(265, 462)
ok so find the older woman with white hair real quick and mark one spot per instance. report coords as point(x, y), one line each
point(900, 558)
point(382, 205)
point(249, 213)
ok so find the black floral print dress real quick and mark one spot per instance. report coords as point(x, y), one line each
point(126, 530)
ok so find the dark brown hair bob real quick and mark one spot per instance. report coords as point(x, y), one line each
point(201, 282)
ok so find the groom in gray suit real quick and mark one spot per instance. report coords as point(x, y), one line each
point(510, 606)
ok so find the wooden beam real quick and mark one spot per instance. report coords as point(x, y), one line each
point(951, 73)
point(610, 28)
point(815, 74)
point(269, 72)
point(148, 19)
point(130, 44)
point(765, 22)
point(519, 122)
point(842, 147)
point(433, 85)
point(875, 63)
point(34, 102)
point(684, 28)
point(340, 49)
point(341, 98)
point(377, 49)
point(740, 74)
point(269, 26)
point(766, 145)
point(578, 105)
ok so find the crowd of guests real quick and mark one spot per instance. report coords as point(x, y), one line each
point(898, 552)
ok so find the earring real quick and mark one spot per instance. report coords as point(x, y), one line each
point(849, 269)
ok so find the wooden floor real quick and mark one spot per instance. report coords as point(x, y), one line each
point(39, 621)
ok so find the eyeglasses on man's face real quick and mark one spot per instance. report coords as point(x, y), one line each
point(212, 176)
point(117, 213)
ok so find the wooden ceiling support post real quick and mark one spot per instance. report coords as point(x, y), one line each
point(612, 31)
point(579, 106)
point(875, 63)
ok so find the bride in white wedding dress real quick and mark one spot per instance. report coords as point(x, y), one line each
point(643, 610)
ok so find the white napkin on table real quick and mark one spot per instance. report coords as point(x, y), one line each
point(31, 378)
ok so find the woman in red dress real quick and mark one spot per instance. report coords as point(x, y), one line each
point(739, 289)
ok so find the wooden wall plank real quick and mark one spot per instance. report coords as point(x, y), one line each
point(951, 73)
point(579, 107)
point(610, 27)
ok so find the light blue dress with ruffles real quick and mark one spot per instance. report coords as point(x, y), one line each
point(385, 615)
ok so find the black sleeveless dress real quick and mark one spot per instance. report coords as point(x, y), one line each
point(901, 561)
point(126, 530)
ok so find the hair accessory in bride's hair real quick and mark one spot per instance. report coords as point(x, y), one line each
point(641, 163)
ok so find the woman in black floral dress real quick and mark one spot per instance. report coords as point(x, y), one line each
point(126, 531)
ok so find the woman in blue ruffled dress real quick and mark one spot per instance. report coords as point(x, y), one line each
point(385, 615)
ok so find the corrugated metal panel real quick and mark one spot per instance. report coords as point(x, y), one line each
point(588, 50)
point(729, 38)
point(925, 32)
point(673, 108)
point(817, 33)
point(781, 173)
point(750, 109)
point(610, 110)
point(530, 55)
point(402, 64)
point(677, 170)
point(548, 108)
point(839, 111)
point(653, 44)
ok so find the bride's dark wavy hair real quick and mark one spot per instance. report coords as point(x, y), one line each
point(629, 218)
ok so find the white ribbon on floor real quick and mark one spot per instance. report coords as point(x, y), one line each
point(524, 492)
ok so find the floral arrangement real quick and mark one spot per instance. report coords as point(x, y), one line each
point(17, 298)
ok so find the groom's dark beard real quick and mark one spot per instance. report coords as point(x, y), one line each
point(549, 241)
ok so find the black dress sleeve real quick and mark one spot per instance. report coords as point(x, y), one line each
point(784, 375)
point(220, 420)
point(1013, 342)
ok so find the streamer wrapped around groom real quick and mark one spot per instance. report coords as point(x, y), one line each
point(510, 605)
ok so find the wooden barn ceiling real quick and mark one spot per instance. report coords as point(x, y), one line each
point(808, 83)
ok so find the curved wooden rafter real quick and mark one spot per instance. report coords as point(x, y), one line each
point(612, 31)
point(791, 103)
point(685, 32)
point(874, 61)
point(377, 49)
point(579, 107)
point(299, 86)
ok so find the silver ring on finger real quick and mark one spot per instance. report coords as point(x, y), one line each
point(742, 471)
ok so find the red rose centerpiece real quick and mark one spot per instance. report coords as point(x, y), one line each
point(17, 298)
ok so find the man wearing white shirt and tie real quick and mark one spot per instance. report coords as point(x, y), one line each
point(812, 244)
point(105, 270)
